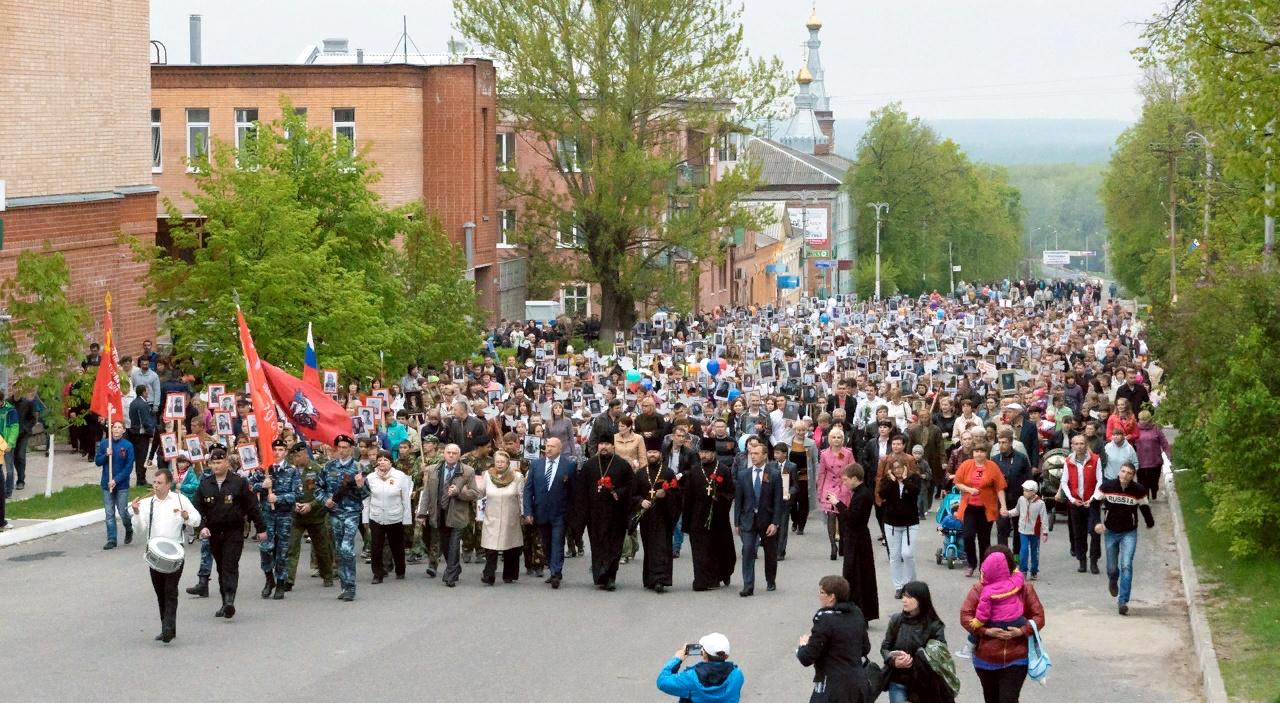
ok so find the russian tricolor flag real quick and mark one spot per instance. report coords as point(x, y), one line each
point(310, 371)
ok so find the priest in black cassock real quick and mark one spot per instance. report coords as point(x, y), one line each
point(708, 500)
point(656, 498)
point(602, 499)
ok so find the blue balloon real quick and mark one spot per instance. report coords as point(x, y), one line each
point(824, 318)
point(647, 384)
point(713, 367)
point(733, 394)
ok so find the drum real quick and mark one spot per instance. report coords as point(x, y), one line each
point(164, 555)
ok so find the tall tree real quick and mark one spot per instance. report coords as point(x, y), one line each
point(625, 100)
point(292, 230)
point(41, 311)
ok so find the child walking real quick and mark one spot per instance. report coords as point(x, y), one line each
point(1031, 514)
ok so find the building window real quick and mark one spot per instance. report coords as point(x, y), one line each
point(156, 162)
point(570, 236)
point(506, 227)
point(506, 151)
point(573, 301)
point(246, 135)
point(344, 129)
point(569, 156)
point(197, 136)
point(729, 147)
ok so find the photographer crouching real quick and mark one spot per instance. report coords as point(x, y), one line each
point(715, 679)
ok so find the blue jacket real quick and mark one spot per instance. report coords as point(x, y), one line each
point(121, 463)
point(704, 682)
point(548, 505)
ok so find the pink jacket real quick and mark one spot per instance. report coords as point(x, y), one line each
point(1001, 597)
point(830, 467)
point(1149, 444)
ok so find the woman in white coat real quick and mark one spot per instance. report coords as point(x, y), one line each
point(501, 532)
point(388, 509)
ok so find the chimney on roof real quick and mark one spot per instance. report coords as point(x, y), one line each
point(335, 46)
point(359, 55)
point(195, 40)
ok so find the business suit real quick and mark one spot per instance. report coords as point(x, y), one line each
point(448, 514)
point(548, 499)
point(754, 515)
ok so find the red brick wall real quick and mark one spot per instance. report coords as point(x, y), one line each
point(88, 235)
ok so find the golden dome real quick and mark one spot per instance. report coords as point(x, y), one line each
point(804, 77)
point(814, 22)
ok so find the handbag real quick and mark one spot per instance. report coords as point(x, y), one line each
point(1038, 663)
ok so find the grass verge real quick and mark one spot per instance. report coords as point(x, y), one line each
point(1243, 601)
point(68, 501)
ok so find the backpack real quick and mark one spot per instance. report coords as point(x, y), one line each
point(1038, 663)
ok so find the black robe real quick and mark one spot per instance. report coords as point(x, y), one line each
point(706, 520)
point(657, 524)
point(859, 559)
point(604, 511)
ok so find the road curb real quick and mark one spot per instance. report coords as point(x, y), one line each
point(1206, 655)
point(51, 527)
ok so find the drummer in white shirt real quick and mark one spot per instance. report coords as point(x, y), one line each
point(164, 515)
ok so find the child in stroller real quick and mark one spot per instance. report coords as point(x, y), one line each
point(950, 525)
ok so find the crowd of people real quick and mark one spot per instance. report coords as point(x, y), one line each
point(714, 435)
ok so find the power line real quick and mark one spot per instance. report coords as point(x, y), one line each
point(954, 89)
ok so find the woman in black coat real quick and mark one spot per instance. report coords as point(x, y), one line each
point(836, 646)
point(859, 561)
point(906, 676)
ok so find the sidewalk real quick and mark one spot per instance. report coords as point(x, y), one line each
point(69, 469)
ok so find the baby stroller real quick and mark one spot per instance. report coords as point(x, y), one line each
point(951, 526)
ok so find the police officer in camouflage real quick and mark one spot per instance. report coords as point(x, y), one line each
point(277, 489)
point(342, 489)
point(309, 517)
point(480, 459)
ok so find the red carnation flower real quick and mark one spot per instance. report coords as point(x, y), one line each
point(719, 478)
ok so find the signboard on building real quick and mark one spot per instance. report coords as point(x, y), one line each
point(817, 253)
point(788, 282)
point(813, 222)
point(775, 268)
point(1055, 257)
point(825, 264)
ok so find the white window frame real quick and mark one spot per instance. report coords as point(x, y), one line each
point(506, 215)
point(244, 126)
point(345, 124)
point(506, 148)
point(585, 297)
point(157, 144)
point(197, 124)
point(568, 158)
point(575, 240)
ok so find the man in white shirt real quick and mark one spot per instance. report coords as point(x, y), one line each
point(165, 515)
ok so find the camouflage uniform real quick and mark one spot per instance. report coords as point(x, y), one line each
point(274, 550)
point(314, 523)
point(428, 540)
point(471, 550)
point(337, 483)
point(534, 560)
point(409, 464)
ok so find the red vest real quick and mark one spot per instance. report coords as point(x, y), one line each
point(1075, 487)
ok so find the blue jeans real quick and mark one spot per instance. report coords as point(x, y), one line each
point(897, 693)
point(113, 502)
point(677, 539)
point(1029, 555)
point(1121, 547)
point(9, 470)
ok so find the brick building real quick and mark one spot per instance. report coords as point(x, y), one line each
point(429, 130)
point(73, 147)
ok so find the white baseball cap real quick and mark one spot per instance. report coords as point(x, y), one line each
point(1030, 485)
point(715, 644)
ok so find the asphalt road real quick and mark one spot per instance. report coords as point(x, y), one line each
point(78, 625)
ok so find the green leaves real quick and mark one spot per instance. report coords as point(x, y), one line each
point(642, 89)
point(36, 299)
point(936, 196)
point(301, 237)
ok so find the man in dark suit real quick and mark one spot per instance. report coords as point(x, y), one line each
point(546, 503)
point(757, 510)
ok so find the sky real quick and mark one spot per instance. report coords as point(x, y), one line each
point(943, 59)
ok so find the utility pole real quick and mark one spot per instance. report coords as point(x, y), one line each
point(880, 208)
point(1268, 218)
point(951, 268)
point(1173, 219)
point(1208, 183)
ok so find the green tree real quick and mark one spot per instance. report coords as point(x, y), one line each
point(937, 197)
point(293, 231)
point(42, 313)
point(625, 100)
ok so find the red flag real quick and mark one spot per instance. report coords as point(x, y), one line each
point(315, 415)
point(264, 408)
point(107, 401)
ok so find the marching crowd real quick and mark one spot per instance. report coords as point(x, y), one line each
point(712, 436)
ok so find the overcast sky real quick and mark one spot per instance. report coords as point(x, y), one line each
point(942, 58)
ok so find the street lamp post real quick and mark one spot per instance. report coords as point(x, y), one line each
point(880, 209)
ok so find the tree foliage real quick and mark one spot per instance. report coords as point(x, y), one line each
point(625, 101)
point(1062, 204)
point(293, 231)
point(936, 196)
point(41, 311)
